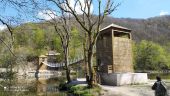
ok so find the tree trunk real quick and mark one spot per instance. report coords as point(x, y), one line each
point(68, 75)
point(90, 66)
point(66, 65)
point(85, 58)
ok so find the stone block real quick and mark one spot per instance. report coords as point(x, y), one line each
point(118, 79)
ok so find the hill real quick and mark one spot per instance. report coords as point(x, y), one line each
point(156, 29)
point(33, 39)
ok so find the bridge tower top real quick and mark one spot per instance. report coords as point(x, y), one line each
point(42, 58)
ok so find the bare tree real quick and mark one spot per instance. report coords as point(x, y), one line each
point(90, 23)
point(10, 22)
point(11, 34)
point(62, 27)
point(64, 32)
point(61, 24)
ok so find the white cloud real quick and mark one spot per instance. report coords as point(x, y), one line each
point(163, 13)
point(2, 27)
point(79, 5)
point(46, 14)
point(49, 14)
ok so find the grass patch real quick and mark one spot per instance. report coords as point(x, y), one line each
point(79, 90)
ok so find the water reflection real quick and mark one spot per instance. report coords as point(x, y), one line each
point(25, 86)
point(48, 86)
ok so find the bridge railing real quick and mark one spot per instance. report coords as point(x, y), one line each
point(61, 64)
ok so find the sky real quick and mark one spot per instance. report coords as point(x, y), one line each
point(141, 9)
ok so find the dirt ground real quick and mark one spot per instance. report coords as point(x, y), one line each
point(127, 90)
point(131, 90)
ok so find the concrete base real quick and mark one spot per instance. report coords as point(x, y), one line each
point(117, 79)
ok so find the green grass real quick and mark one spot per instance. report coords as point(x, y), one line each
point(79, 90)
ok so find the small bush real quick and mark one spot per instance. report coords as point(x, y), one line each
point(64, 87)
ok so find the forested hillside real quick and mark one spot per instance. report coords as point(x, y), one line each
point(156, 29)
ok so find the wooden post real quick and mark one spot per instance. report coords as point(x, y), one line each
point(113, 68)
point(109, 69)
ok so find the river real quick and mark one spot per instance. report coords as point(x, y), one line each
point(25, 86)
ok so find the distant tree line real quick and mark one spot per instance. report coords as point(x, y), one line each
point(151, 56)
point(34, 39)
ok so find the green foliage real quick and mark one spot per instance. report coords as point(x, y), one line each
point(6, 60)
point(7, 75)
point(34, 39)
point(150, 56)
point(39, 38)
point(75, 43)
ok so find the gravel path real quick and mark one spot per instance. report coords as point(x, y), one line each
point(126, 90)
point(130, 90)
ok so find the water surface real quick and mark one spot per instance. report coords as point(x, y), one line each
point(25, 86)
